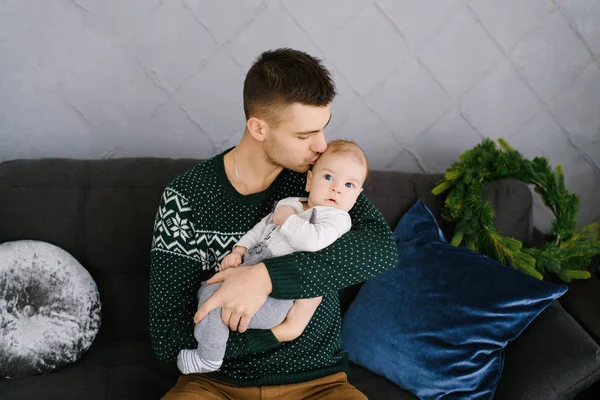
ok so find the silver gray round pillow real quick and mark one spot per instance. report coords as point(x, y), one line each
point(49, 308)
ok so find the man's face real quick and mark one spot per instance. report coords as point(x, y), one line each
point(335, 181)
point(298, 140)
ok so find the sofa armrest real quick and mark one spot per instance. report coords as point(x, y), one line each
point(554, 358)
point(582, 301)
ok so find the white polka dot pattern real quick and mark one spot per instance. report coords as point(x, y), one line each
point(199, 219)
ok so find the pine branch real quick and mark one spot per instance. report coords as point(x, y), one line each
point(571, 252)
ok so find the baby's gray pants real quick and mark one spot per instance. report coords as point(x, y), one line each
point(212, 334)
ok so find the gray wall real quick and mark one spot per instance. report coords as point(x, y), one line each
point(419, 81)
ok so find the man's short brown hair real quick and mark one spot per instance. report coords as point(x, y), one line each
point(279, 78)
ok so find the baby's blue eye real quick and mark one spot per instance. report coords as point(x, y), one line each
point(328, 177)
point(349, 185)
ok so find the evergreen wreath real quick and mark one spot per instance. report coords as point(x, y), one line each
point(567, 255)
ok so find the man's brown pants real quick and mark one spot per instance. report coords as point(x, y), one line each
point(197, 386)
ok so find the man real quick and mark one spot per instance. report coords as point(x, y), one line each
point(205, 210)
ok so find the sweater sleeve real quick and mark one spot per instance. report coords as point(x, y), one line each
point(305, 236)
point(367, 250)
point(176, 271)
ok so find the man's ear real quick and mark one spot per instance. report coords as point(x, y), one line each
point(309, 176)
point(256, 127)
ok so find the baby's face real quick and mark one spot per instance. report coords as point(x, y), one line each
point(336, 181)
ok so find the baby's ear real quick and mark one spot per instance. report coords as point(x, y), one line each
point(309, 177)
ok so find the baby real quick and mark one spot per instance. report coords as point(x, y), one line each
point(296, 224)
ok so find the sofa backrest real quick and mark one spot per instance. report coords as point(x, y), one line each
point(102, 212)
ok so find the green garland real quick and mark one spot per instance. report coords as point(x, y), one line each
point(568, 255)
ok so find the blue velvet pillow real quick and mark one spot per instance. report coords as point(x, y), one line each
point(438, 323)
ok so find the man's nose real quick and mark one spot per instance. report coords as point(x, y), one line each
point(320, 144)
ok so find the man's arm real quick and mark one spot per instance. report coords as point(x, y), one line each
point(176, 271)
point(367, 250)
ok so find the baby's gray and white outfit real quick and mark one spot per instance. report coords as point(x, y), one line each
point(307, 230)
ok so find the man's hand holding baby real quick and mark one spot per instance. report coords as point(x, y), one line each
point(281, 214)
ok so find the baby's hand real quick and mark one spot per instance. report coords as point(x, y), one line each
point(297, 319)
point(231, 260)
point(281, 214)
point(197, 316)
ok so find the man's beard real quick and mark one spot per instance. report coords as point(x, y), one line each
point(271, 150)
point(283, 164)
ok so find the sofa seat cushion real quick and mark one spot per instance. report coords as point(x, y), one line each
point(375, 386)
point(89, 382)
point(119, 370)
point(538, 366)
point(74, 382)
point(109, 370)
point(553, 359)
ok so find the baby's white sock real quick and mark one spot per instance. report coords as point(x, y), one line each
point(189, 362)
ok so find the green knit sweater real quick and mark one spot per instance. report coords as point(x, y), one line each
point(200, 217)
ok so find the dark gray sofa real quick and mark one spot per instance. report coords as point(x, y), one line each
point(102, 212)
